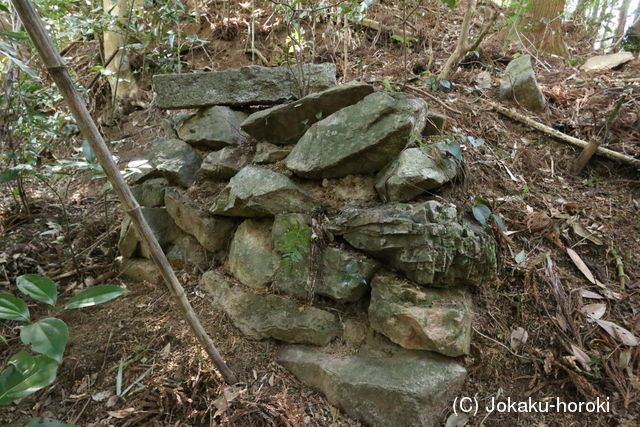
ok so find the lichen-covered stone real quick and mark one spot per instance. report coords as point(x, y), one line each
point(406, 388)
point(345, 277)
point(214, 128)
point(251, 256)
point(271, 316)
point(426, 241)
point(285, 124)
point(187, 252)
point(359, 139)
point(150, 193)
point(519, 84)
point(223, 164)
point(212, 232)
point(414, 172)
point(270, 153)
point(249, 85)
point(421, 318)
point(176, 161)
point(258, 192)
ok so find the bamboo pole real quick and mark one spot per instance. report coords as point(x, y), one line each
point(58, 71)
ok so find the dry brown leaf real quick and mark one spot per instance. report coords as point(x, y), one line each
point(618, 332)
point(581, 265)
point(519, 336)
point(594, 311)
point(585, 293)
point(581, 231)
point(581, 356)
point(121, 413)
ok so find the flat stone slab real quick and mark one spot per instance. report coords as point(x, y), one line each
point(250, 85)
point(285, 124)
point(606, 62)
point(259, 192)
point(271, 316)
point(359, 139)
point(406, 388)
point(421, 318)
point(519, 84)
point(426, 241)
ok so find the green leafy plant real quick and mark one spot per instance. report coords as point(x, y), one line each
point(482, 213)
point(27, 373)
point(294, 244)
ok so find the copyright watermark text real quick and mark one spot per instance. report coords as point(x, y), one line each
point(472, 406)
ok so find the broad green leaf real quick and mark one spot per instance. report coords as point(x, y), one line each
point(454, 149)
point(47, 336)
point(481, 213)
point(47, 422)
point(87, 152)
point(13, 308)
point(95, 295)
point(520, 257)
point(39, 288)
point(25, 375)
point(499, 221)
point(9, 175)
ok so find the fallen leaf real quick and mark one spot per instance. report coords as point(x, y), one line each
point(594, 311)
point(618, 332)
point(581, 357)
point(581, 231)
point(101, 396)
point(581, 265)
point(585, 293)
point(457, 420)
point(122, 413)
point(519, 336)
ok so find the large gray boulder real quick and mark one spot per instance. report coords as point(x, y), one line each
point(285, 124)
point(176, 161)
point(162, 226)
point(271, 316)
point(402, 389)
point(414, 172)
point(214, 128)
point(426, 241)
point(251, 257)
point(421, 318)
point(250, 85)
point(212, 232)
point(223, 164)
point(359, 139)
point(257, 192)
point(519, 84)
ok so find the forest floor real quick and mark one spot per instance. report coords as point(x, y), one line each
point(549, 212)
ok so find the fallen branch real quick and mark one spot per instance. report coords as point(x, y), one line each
point(432, 97)
point(610, 154)
point(58, 71)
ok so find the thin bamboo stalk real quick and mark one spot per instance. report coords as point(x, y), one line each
point(58, 71)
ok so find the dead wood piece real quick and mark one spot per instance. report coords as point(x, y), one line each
point(610, 154)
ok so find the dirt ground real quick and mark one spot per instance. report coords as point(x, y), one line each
point(549, 213)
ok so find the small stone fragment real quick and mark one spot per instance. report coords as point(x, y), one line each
point(270, 153)
point(519, 84)
point(214, 128)
point(176, 161)
point(223, 164)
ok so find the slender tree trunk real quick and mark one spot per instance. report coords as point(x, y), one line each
point(622, 20)
point(581, 11)
point(542, 27)
point(121, 79)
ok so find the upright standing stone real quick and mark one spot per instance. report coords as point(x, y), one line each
point(519, 84)
point(250, 85)
point(251, 257)
point(285, 124)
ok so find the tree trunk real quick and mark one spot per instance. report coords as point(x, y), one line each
point(122, 81)
point(581, 11)
point(542, 27)
point(622, 20)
